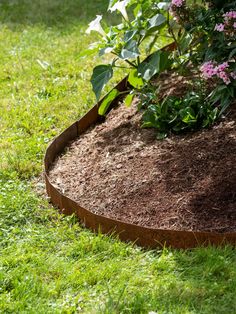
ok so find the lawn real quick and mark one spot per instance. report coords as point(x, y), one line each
point(49, 263)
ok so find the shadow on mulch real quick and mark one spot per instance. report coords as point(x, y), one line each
point(185, 182)
point(207, 172)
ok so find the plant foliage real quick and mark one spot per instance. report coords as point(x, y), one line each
point(204, 33)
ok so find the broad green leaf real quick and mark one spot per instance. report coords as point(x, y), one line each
point(165, 61)
point(135, 80)
point(129, 35)
point(101, 75)
point(184, 43)
point(151, 44)
point(158, 62)
point(128, 100)
point(130, 50)
point(107, 101)
point(156, 21)
point(149, 68)
point(149, 119)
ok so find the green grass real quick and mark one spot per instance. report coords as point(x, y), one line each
point(49, 263)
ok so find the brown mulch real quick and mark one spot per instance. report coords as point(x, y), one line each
point(185, 182)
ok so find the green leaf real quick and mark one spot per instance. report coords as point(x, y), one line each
point(161, 135)
point(129, 35)
point(128, 100)
point(149, 119)
point(107, 101)
point(156, 21)
point(185, 42)
point(135, 80)
point(232, 53)
point(101, 75)
point(224, 104)
point(130, 50)
point(165, 61)
point(149, 68)
point(158, 62)
point(137, 10)
point(187, 115)
point(105, 50)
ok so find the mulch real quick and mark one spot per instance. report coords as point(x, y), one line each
point(184, 182)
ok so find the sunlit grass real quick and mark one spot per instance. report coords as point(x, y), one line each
point(49, 263)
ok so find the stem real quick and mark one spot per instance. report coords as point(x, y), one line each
point(126, 18)
point(120, 67)
point(124, 92)
point(173, 34)
point(138, 61)
point(138, 44)
point(133, 65)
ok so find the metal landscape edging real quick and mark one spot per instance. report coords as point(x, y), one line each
point(143, 236)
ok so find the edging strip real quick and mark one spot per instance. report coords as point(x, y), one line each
point(143, 236)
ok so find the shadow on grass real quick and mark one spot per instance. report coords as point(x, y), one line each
point(197, 281)
point(53, 13)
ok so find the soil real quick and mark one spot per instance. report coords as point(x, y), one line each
point(185, 182)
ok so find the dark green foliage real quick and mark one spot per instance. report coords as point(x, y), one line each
point(101, 75)
point(177, 115)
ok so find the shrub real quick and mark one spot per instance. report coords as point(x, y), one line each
point(204, 33)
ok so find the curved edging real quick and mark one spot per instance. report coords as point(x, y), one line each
point(143, 236)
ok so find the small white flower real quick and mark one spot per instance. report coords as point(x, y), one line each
point(96, 26)
point(121, 6)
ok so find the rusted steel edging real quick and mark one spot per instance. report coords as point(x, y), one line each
point(143, 236)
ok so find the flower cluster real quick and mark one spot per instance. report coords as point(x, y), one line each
point(230, 15)
point(177, 3)
point(210, 69)
point(229, 25)
point(220, 27)
point(179, 11)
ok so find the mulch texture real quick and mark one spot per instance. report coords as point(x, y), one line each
point(185, 182)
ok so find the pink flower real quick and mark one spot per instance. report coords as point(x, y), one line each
point(227, 81)
point(224, 76)
point(177, 3)
point(230, 15)
point(208, 69)
point(234, 25)
point(221, 67)
point(233, 75)
point(219, 27)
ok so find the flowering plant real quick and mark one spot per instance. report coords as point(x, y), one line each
point(129, 42)
point(211, 28)
point(204, 33)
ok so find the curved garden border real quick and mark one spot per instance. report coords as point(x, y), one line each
point(143, 236)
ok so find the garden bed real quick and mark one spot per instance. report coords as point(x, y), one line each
point(185, 182)
point(115, 176)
